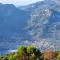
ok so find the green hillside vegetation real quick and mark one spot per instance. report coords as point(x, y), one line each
point(31, 53)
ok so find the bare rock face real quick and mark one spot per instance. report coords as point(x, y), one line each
point(44, 24)
point(38, 20)
point(57, 1)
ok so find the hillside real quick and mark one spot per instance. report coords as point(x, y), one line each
point(12, 23)
point(36, 24)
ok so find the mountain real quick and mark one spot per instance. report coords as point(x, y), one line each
point(40, 4)
point(37, 24)
point(44, 25)
point(12, 23)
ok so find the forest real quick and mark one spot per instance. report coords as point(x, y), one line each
point(31, 53)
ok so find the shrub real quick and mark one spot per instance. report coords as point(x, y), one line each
point(58, 55)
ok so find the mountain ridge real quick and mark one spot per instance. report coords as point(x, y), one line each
point(39, 23)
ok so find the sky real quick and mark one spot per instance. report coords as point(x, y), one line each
point(18, 2)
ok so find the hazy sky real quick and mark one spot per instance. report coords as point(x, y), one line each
point(18, 2)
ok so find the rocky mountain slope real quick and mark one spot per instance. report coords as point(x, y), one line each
point(44, 25)
point(38, 22)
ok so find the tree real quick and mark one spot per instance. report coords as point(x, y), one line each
point(22, 53)
point(21, 50)
point(12, 56)
point(49, 55)
point(58, 56)
point(30, 49)
point(37, 53)
point(34, 53)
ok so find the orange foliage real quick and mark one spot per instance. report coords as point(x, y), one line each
point(49, 55)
